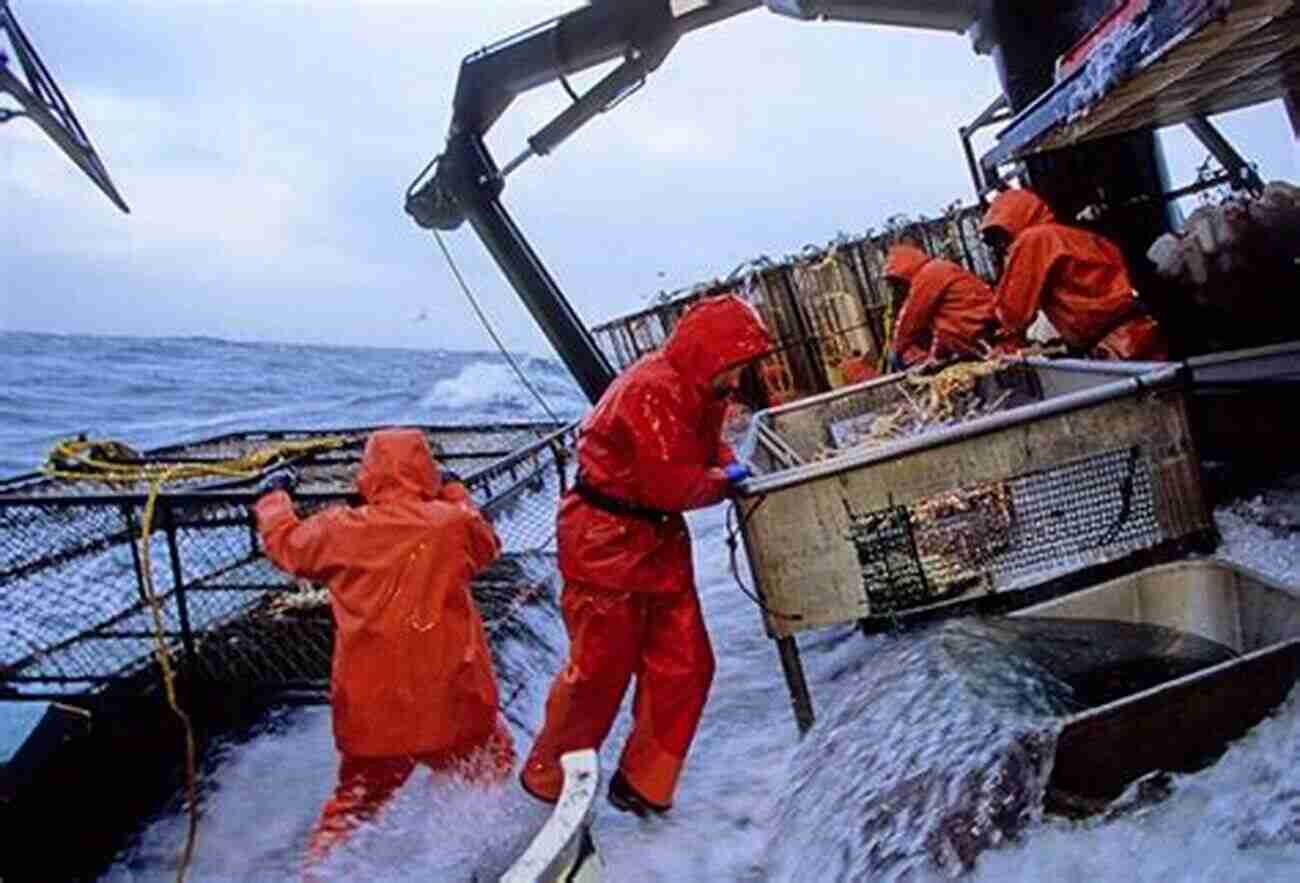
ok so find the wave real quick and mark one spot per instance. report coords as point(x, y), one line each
point(488, 386)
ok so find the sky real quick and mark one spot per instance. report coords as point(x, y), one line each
point(265, 147)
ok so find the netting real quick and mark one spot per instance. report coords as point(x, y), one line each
point(828, 308)
point(994, 535)
point(984, 478)
point(74, 617)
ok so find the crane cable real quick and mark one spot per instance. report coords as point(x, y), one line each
point(487, 325)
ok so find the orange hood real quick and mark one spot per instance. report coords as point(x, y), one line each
point(398, 464)
point(716, 333)
point(904, 262)
point(1015, 211)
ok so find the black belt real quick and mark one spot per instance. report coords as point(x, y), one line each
point(615, 506)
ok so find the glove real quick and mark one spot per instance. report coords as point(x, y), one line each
point(737, 472)
point(895, 363)
point(282, 478)
point(450, 476)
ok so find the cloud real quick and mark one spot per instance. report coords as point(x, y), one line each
point(265, 147)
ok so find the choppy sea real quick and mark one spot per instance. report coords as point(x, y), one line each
point(756, 803)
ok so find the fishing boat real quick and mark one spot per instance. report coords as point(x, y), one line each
point(98, 561)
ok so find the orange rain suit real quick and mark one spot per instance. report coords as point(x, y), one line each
point(650, 450)
point(412, 680)
point(856, 369)
point(1077, 278)
point(948, 311)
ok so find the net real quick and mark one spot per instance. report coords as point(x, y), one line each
point(983, 479)
point(74, 616)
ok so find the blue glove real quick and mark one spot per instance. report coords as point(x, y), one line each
point(282, 478)
point(737, 472)
point(896, 363)
point(451, 477)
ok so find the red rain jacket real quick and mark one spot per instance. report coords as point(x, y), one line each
point(654, 441)
point(855, 369)
point(1077, 278)
point(948, 310)
point(412, 673)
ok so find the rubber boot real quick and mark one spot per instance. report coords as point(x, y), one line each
point(623, 797)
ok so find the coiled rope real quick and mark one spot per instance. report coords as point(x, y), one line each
point(109, 462)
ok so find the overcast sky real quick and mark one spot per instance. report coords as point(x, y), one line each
point(264, 148)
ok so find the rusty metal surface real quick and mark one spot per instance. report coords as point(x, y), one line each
point(1185, 724)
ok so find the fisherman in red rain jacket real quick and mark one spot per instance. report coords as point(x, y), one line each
point(650, 450)
point(948, 311)
point(412, 682)
point(856, 369)
point(1077, 278)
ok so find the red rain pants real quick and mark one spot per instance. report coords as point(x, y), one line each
point(658, 637)
point(366, 784)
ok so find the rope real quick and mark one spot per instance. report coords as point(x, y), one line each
point(487, 325)
point(83, 460)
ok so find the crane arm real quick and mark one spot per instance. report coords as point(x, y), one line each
point(466, 183)
point(40, 100)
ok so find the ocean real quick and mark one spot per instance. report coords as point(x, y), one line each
point(756, 803)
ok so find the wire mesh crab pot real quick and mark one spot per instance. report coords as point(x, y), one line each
point(819, 306)
point(74, 616)
point(971, 490)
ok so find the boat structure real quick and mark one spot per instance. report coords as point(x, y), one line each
point(1031, 497)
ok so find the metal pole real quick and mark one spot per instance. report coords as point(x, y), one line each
point(812, 357)
point(129, 518)
point(977, 177)
point(1240, 172)
point(800, 700)
point(467, 171)
point(861, 287)
point(178, 581)
point(1292, 102)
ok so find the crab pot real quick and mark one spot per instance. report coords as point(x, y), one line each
point(1039, 468)
point(77, 630)
point(72, 566)
point(1034, 476)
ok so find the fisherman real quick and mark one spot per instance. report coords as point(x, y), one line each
point(948, 311)
point(650, 450)
point(856, 369)
point(412, 677)
point(1077, 278)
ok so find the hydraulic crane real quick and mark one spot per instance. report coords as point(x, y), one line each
point(40, 100)
point(1049, 58)
point(466, 182)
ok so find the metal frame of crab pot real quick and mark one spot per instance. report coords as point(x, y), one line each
point(1091, 472)
point(106, 728)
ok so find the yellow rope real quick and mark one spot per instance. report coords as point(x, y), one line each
point(87, 458)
